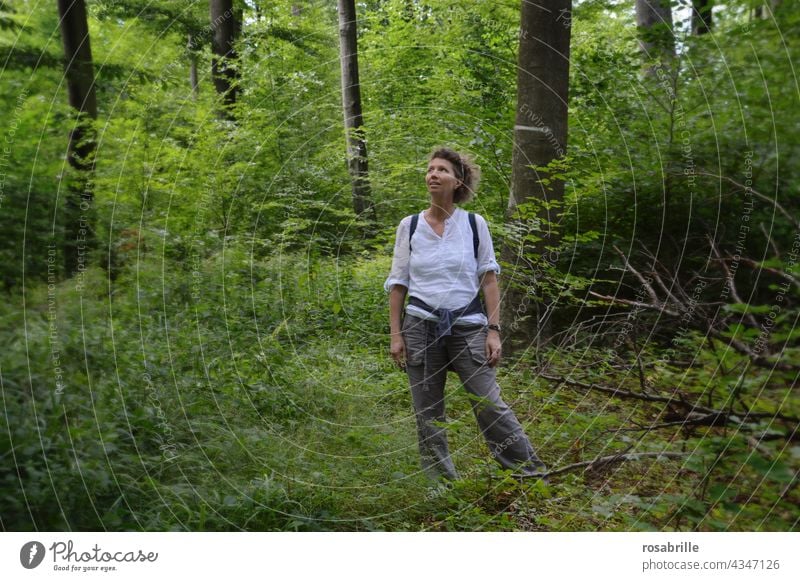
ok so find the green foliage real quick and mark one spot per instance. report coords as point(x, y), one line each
point(221, 365)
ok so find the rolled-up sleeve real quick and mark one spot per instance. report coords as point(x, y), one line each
point(486, 258)
point(399, 273)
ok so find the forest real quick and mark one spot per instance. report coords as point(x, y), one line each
point(199, 201)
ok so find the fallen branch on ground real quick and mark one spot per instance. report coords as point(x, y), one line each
point(692, 408)
point(606, 462)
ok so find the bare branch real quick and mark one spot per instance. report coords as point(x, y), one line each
point(755, 265)
point(710, 416)
point(645, 283)
point(731, 283)
point(756, 193)
point(737, 345)
point(654, 273)
point(605, 462)
point(664, 288)
point(715, 420)
point(769, 240)
point(659, 307)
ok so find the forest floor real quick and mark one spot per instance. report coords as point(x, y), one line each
point(260, 396)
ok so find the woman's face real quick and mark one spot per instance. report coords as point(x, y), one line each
point(441, 178)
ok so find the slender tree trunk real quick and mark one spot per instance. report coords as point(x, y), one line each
point(540, 136)
point(79, 73)
point(701, 16)
point(238, 22)
point(656, 40)
point(223, 71)
point(351, 104)
point(762, 14)
point(193, 82)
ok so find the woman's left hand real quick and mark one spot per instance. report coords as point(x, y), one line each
point(493, 348)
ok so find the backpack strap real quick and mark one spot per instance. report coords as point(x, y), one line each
point(476, 241)
point(414, 221)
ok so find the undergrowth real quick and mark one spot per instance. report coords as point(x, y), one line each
point(257, 394)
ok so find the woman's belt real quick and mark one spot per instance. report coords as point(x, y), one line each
point(448, 316)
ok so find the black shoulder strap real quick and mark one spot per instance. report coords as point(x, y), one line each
point(414, 220)
point(475, 239)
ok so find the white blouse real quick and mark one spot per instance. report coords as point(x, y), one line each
point(442, 270)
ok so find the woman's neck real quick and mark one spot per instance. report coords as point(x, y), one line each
point(440, 211)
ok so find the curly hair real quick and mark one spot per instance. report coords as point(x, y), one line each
point(466, 171)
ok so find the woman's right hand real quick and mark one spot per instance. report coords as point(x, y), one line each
point(397, 349)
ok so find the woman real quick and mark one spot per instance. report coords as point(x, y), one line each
point(442, 258)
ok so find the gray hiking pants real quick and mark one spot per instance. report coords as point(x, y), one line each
point(464, 352)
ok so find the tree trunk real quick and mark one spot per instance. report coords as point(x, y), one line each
point(223, 71)
point(351, 103)
point(701, 16)
point(193, 82)
point(656, 40)
point(79, 73)
point(762, 14)
point(540, 136)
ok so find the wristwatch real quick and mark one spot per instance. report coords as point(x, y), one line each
point(494, 327)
